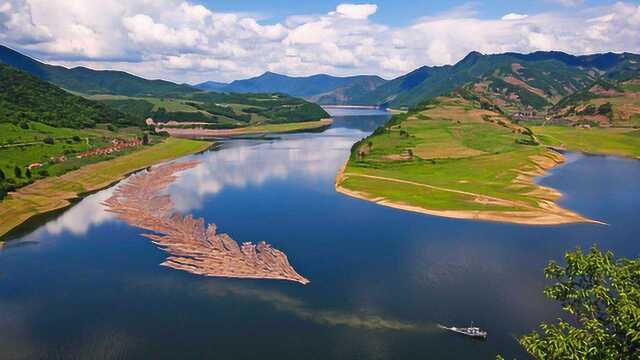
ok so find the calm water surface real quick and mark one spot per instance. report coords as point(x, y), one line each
point(87, 286)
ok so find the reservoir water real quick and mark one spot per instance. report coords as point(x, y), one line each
point(83, 285)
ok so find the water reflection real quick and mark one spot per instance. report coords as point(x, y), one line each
point(246, 163)
point(89, 212)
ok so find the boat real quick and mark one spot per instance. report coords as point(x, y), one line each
point(472, 331)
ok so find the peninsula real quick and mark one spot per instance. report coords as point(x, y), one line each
point(141, 201)
point(454, 159)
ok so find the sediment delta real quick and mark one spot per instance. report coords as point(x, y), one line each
point(142, 201)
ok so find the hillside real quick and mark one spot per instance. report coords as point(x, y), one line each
point(323, 88)
point(218, 110)
point(88, 81)
point(535, 80)
point(517, 82)
point(24, 98)
point(604, 103)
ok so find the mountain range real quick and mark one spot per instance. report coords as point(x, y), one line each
point(320, 88)
point(88, 81)
point(515, 82)
point(537, 80)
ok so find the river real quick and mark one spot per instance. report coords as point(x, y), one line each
point(84, 285)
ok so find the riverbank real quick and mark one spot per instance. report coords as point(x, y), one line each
point(624, 142)
point(54, 193)
point(458, 161)
point(249, 130)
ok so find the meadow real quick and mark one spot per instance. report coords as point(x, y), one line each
point(39, 143)
point(612, 141)
point(454, 156)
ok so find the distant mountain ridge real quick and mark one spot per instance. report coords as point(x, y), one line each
point(322, 88)
point(537, 80)
point(88, 81)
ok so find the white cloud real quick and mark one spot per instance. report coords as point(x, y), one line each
point(356, 11)
point(514, 16)
point(184, 41)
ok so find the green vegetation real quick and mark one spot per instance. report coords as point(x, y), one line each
point(44, 144)
point(55, 192)
point(88, 81)
point(602, 296)
point(224, 110)
point(454, 156)
point(614, 141)
point(24, 98)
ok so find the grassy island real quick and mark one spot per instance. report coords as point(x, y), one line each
point(452, 158)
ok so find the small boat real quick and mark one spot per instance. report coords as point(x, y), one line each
point(471, 331)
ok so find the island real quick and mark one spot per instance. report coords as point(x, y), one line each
point(141, 201)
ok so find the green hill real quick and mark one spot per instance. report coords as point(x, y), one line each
point(24, 98)
point(88, 81)
point(518, 81)
point(223, 110)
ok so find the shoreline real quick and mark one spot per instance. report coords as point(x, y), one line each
point(249, 130)
point(549, 212)
point(55, 193)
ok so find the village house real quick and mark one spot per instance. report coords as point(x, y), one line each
point(34, 166)
point(116, 145)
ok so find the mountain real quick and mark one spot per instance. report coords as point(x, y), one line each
point(24, 97)
point(88, 81)
point(211, 86)
point(311, 87)
point(604, 103)
point(537, 80)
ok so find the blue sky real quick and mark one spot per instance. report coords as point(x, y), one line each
point(199, 40)
point(393, 12)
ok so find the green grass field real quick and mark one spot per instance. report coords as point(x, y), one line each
point(21, 147)
point(613, 141)
point(55, 192)
point(453, 157)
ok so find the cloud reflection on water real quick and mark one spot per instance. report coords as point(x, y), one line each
point(80, 218)
point(252, 163)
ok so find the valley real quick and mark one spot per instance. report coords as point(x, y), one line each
point(67, 132)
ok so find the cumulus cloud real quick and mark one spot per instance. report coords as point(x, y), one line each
point(356, 11)
point(184, 41)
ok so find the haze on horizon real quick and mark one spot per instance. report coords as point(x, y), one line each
point(194, 41)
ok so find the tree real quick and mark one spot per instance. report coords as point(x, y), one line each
point(603, 294)
point(17, 172)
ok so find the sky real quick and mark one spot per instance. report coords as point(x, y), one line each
point(201, 40)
